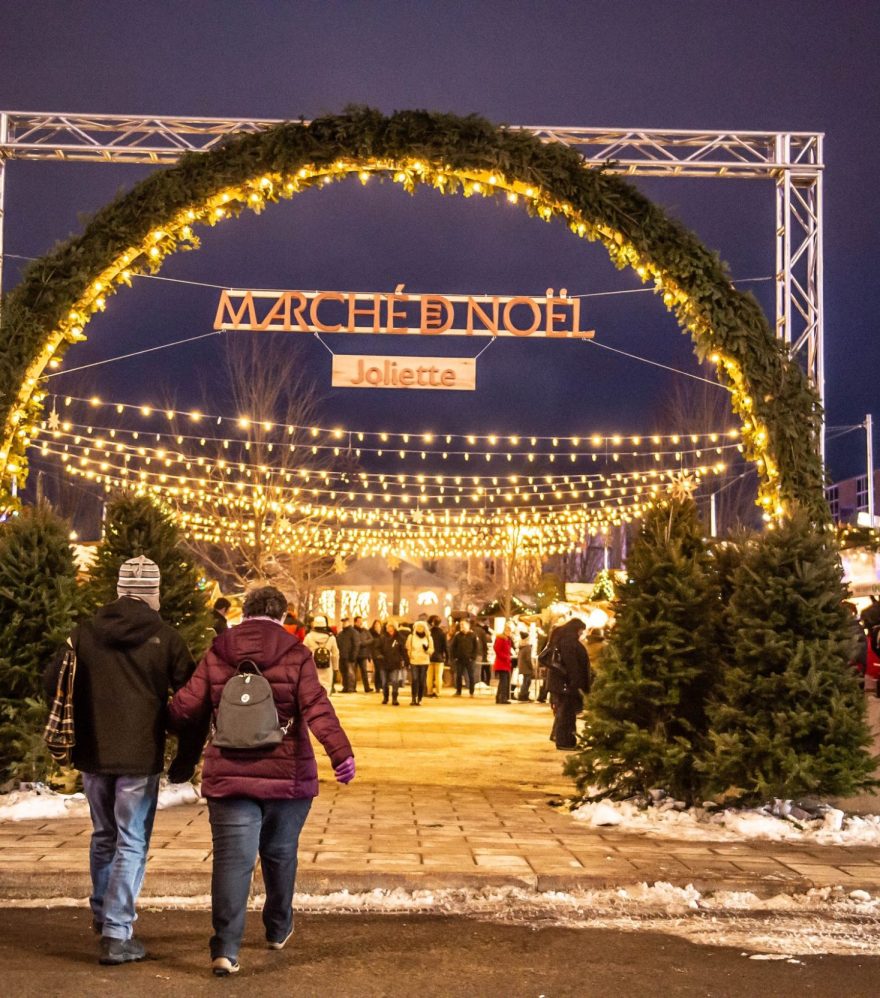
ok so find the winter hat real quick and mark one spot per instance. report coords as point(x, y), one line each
point(319, 622)
point(139, 577)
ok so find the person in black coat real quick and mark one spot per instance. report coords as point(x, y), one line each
point(347, 640)
point(438, 657)
point(363, 654)
point(222, 607)
point(395, 662)
point(567, 685)
point(377, 632)
point(128, 660)
point(463, 650)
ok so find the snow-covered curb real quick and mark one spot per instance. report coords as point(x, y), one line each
point(670, 820)
point(821, 921)
point(40, 802)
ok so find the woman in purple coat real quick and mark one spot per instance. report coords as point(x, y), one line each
point(259, 799)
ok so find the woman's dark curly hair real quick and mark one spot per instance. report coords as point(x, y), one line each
point(265, 601)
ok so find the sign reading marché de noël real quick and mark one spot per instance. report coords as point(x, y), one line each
point(556, 316)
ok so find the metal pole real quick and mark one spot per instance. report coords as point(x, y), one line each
point(817, 313)
point(4, 129)
point(869, 464)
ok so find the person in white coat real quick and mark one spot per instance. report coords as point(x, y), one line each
point(419, 649)
point(321, 642)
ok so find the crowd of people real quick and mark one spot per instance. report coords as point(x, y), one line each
point(261, 687)
point(428, 656)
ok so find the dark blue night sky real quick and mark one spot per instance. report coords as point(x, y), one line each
point(748, 65)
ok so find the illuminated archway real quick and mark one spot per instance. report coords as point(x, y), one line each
point(59, 293)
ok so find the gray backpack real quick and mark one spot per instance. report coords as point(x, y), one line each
point(246, 716)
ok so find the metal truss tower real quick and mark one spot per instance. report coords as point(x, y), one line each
point(791, 160)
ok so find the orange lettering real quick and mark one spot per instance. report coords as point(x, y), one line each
point(396, 313)
point(490, 324)
point(298, 311)
point(576, 321)
point(354, 311)
point(432, 321)
point(281, 311)
point(508, 316)
point(235, 318)
point(316, 322)
point(553, 316)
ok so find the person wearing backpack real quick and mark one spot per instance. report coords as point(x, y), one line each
point(259, 797)
point(322, 644)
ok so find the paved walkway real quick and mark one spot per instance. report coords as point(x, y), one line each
point(449, 795)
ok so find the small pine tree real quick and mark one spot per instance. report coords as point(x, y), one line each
point(134, 525)
point(39, 606)
point(789, 718)
point(645, 717)
point(603, 586)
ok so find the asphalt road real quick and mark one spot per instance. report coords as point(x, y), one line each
point(52, 952)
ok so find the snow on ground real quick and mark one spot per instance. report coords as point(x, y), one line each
point(39, 801)
point(822, 921)
point(670, 820)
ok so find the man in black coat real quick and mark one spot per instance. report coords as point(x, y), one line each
point(128, 660)
point(363, 653)
point(569, 682)
point(463, 650)
point(222, 606)
point(438, 657)
point(347, 640)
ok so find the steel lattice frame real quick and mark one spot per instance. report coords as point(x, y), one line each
point(791, 160)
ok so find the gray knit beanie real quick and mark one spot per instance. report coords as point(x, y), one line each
point(140, 577)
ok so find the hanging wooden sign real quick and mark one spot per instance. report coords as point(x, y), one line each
point(553, 316)
point(458, 374)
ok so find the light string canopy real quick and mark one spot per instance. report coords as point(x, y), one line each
point(410, 172)
point(416, 442)
point(349, 511)
point(96, 448)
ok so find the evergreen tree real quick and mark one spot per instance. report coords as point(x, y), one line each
point(603, 586)
point(39, 605)
point(645, 717)
point(789, 718)
point(134, 525)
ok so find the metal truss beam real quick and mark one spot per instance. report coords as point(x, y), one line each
point(791, 160)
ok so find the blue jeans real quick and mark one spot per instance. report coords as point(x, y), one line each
point(122, 808)
point(241, 827)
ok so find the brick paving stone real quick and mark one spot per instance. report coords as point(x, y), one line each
point(501, 862)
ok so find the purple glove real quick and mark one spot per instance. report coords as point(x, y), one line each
point(345, 770)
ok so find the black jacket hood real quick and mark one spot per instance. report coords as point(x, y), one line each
point(126, 622)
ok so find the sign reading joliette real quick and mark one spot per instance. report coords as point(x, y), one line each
point(451, 373)
point(397, 313)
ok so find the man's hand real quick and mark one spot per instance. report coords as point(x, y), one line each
point(345, 770)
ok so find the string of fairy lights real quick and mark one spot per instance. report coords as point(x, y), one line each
point(226, 478)
point(91, 449)
point(255, 193)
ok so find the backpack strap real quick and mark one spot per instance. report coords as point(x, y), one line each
point(254, 669)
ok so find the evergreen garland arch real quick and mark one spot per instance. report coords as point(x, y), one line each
point(59, 293)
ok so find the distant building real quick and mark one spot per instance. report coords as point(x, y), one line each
point(849, 497)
